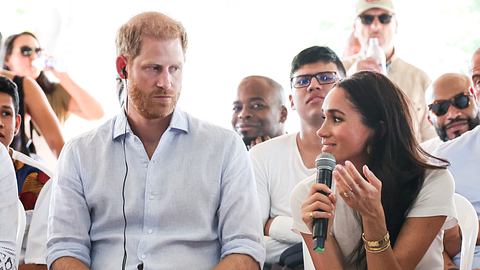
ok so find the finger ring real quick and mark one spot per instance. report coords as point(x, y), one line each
point(345, 194)
point(311, 215)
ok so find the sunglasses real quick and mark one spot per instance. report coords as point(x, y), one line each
point(27, 51)
point(326, 77)
point(384, 18)
point(440, 107)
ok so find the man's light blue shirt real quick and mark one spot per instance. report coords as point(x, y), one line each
point(191, 204)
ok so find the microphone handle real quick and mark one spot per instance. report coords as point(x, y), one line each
point(320, 225)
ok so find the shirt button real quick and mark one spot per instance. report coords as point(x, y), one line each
point(152, 197)
point(150, 231)
point(143, 256)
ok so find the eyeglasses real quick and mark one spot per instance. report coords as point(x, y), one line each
point(28, 51)
point(384, 18)
point(440, 107)
point(326, 77)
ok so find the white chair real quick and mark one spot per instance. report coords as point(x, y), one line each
point(22, 220)
point(468, 222)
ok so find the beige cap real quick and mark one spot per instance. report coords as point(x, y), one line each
point(364, 5)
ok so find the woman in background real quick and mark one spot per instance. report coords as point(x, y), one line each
point(65, 97)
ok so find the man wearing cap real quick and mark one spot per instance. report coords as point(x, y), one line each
point(376, 19)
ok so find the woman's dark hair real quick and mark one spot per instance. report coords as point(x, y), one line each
point(8, 87)
point(317, 54)
point(394, 154)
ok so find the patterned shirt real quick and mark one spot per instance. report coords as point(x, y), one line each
point(31, 177)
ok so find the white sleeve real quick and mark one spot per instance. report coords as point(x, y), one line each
point(36, 249)
point(261, 179)
point(436, 196)
point(281, 230)
point(298, 196)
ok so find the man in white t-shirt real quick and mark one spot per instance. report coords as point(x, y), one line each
point(463, 153)
point(280, 163)
point(8, 211)
point(452, 108)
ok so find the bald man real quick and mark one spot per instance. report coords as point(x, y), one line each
point(476, 71)
point(259, 112)
point(452, 108)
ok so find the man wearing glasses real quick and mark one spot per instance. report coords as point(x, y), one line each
point(280, 163)
point(376, 19)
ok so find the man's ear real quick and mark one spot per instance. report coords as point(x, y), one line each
point(292, 104)
point(283, 114)
point(18, 121)
point(121, 64)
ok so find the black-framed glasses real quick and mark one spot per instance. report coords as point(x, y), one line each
point(384, 18)
point(326, 77)
point(440, 107)
point(28, 51)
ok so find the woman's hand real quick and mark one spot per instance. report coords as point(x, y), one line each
point(318, 205)
point(363, 195)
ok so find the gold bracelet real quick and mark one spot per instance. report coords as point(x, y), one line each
point(377, 250)
point(379, 244)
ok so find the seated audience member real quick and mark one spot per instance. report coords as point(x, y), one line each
point(475, 64)
point(171, 191)
point(390, 203)
point(31, 178)
point(462, 153)
point(378, 19)
point(8, 212)
point(280, 163)
point(259, 112)
point(452, 108)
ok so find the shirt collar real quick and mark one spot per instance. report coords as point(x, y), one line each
point(178, 122)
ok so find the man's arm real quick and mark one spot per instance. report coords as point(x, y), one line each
point(237, 261)
point(68, 263)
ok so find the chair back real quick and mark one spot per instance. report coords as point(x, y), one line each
point(468, 222)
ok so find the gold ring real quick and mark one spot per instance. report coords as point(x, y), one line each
point(311, 215)
point(345, 194)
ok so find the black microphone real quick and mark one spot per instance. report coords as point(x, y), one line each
point(325, 163)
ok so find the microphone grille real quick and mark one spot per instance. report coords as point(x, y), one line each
point(325, 161)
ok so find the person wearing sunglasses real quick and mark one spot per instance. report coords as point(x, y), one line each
point(452, 106)
point(455, 113)
point(22, 55)
point(34, 104)
point(280, 163)
point(377, 19)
